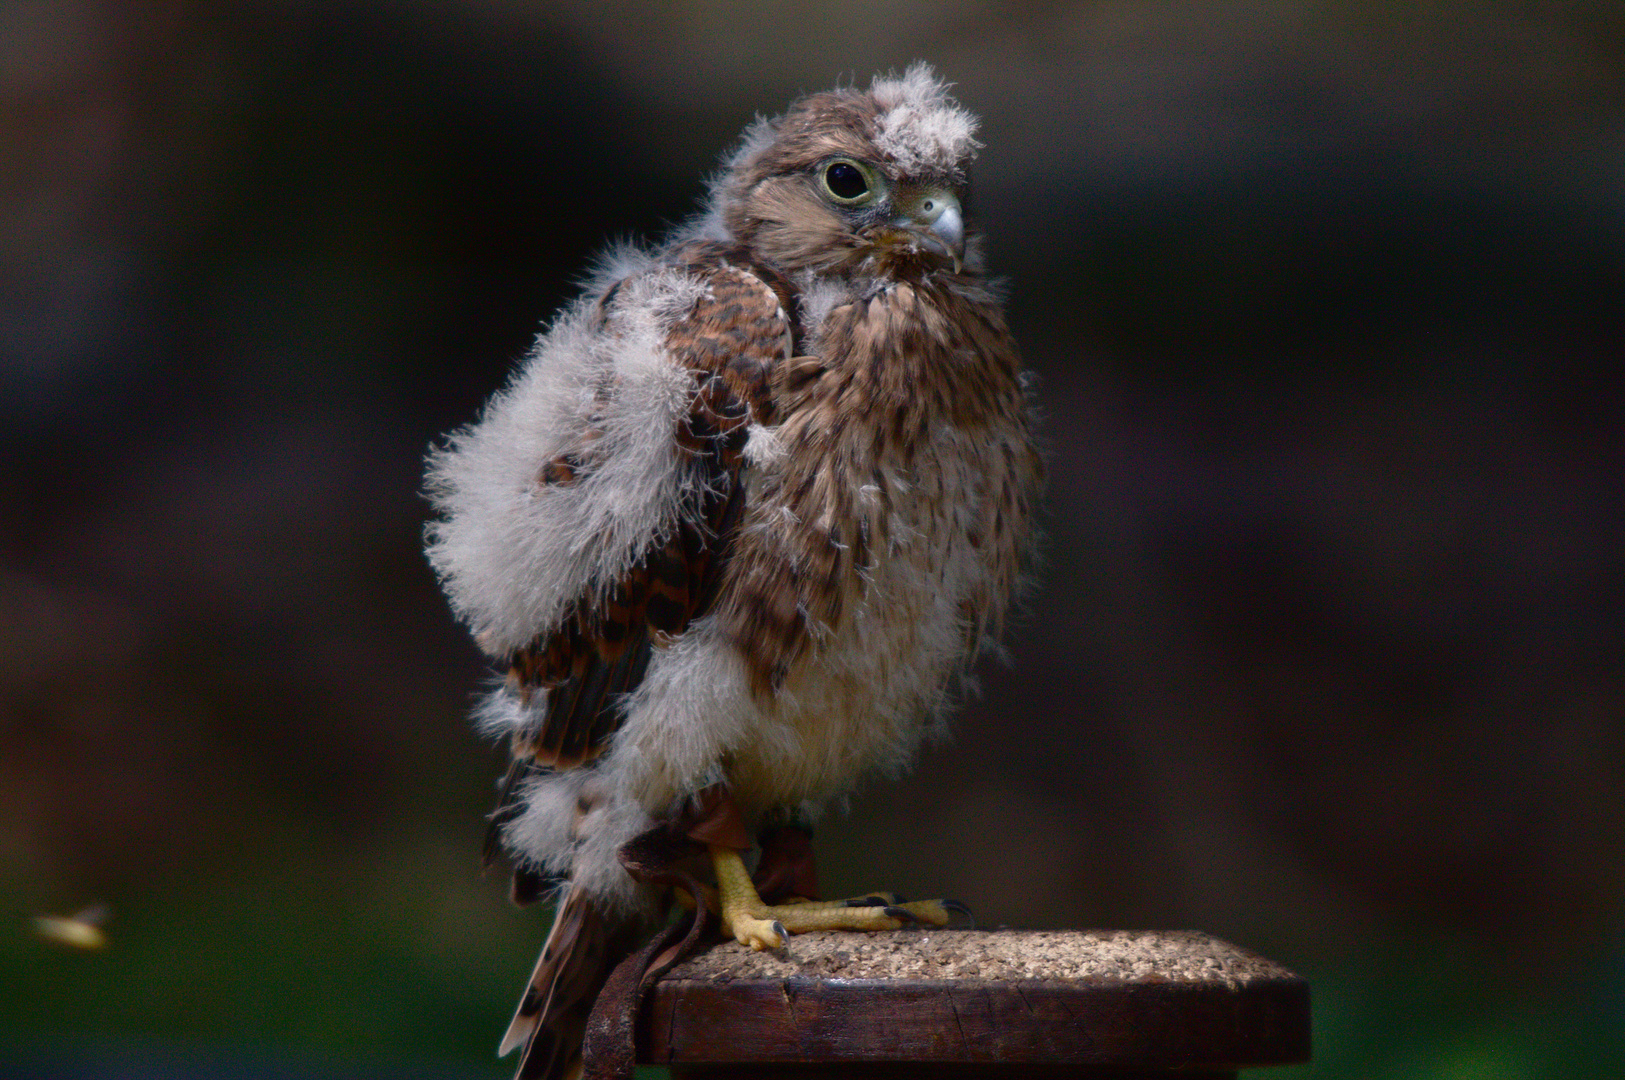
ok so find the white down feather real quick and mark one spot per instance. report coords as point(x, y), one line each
point(514, 553)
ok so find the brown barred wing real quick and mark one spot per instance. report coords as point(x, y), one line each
point(730, 340)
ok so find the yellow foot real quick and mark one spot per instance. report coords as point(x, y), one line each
point(764, 926)
point(898, 911)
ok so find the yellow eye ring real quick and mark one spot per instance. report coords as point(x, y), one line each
point(848, 182)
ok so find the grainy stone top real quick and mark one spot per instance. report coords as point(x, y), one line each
point(1090, 956)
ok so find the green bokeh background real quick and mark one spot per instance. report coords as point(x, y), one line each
point(1326, 302)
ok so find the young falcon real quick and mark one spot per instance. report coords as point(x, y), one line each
point(741, 521)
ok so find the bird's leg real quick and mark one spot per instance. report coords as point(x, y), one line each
point(744, 915)
point(763, 926)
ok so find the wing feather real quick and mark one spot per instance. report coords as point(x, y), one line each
point(729, 341)
point(578, 670)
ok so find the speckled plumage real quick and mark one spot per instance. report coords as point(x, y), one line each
point(749, 509)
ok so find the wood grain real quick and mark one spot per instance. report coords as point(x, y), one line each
point(1030, 1003)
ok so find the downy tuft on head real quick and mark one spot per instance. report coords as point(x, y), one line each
point(923, 128)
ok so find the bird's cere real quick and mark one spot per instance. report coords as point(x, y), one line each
point(938, 213)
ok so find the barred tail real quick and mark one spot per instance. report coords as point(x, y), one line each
point(552, 1016)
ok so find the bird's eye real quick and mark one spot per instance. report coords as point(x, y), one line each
point(847, 181)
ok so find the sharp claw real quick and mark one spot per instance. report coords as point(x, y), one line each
point(901, 914)
point(959, 908)
point(762, 935)
point(872, 900)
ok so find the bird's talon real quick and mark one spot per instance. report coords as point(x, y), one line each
point(760, 934)
point(930, 912)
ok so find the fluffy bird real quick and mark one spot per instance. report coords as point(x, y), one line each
point(738, 527)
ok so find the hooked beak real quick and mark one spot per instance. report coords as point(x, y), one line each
point(937, 220)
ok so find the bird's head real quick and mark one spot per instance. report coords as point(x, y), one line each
point(864, 182)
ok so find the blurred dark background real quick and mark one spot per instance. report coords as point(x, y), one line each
point(1326, 300)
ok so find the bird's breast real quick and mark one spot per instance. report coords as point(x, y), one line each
point(867, 567)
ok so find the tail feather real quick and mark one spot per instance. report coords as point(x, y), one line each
point(552, 1015)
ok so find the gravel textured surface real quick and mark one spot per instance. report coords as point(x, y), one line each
point(1092, 956)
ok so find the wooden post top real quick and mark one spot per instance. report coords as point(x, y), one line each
point(1110, 1001)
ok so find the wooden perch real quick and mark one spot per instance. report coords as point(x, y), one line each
point(1008, 1003)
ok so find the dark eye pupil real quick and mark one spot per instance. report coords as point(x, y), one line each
point(846, 181)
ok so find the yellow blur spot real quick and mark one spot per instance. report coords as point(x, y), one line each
point(80, 931)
